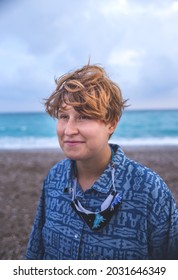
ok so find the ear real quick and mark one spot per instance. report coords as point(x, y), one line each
point(112, 126)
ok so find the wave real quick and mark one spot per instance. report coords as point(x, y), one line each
point(52, 142)
point(150, 141)
point(28, 143)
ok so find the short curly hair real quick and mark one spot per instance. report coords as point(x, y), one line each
point(90, 92)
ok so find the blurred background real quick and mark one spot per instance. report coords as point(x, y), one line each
point(135, 41)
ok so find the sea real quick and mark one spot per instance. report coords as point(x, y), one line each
point(136, 128)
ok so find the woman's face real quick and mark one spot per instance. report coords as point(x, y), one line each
point(80, 137)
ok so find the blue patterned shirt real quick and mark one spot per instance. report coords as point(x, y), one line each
point(146, 226)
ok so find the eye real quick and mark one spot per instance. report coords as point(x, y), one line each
point(62, 116)
point(83, 117)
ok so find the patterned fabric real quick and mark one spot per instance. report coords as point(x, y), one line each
point(146, 226)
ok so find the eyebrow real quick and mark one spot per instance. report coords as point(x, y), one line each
point(61, 110)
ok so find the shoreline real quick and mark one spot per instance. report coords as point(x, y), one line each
point(125, 146)
point(21, 179)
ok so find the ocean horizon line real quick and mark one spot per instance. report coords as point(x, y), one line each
point(37, 129)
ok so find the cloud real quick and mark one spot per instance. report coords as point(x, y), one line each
point(125, 58)
point(115, 8)
point(127, 8)
point(168, 11)
point(136, 41)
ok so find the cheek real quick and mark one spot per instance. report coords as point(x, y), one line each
point(59, 130)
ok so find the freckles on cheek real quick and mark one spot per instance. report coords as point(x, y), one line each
point(58, 128)
point(59, 132)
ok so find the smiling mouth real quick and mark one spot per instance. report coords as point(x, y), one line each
point(72, 143)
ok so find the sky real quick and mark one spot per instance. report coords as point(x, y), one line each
point(136, 41)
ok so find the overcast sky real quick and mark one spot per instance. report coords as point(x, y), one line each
point(136, 41)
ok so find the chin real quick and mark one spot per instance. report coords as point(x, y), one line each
point(73, 157)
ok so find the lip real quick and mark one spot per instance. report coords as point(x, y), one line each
point(73, 143)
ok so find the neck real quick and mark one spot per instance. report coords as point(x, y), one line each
point(90, 170)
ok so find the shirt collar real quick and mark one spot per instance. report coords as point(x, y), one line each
point(104, 183)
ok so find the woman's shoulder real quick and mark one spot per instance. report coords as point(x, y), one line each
point(145, 176)
point(142, 178)
point(59, 170)
point(146, 186)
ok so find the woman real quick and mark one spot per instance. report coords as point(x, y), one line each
point(97, 203)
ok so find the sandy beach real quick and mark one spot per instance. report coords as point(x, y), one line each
point(21, 177)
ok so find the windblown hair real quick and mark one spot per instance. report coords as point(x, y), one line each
point(91, 93)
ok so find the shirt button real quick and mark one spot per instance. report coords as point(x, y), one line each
point(76, 236)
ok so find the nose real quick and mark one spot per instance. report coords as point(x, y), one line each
point(71, 128)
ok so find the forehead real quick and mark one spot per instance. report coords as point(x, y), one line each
point(66, 108)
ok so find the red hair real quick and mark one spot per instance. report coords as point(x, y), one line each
point(90, 91)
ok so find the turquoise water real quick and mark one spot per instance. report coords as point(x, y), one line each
point(38, 130)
